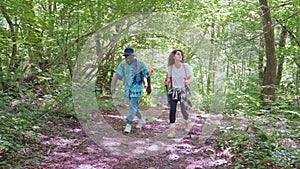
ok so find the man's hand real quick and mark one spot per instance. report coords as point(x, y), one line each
point(113, 90)
point(148, 89)
point(113, 85)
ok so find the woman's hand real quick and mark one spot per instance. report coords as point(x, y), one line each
point(186, 82)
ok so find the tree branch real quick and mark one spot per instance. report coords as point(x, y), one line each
point(290, 32)
point(60, 56)
point(256, 36)
point(13, 59)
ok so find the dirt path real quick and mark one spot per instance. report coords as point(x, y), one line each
point(69, 147)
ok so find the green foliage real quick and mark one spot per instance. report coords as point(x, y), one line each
point(264, 142)
point(20, 127)
point(25, 106)
point(149, 101)
point(145, 100)
point(260, 138)
point(105, 103)
point(35, 81)
point(243, 94)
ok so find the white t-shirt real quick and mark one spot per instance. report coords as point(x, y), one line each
point(179, 76)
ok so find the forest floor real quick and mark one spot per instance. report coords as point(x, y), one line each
point(68, 146)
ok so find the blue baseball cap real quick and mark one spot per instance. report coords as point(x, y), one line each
point(128, 51)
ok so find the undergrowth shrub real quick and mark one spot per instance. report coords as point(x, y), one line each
point(266, 141)
point(24, 111)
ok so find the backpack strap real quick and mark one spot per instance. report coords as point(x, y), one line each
point(184, 68)
point(139, 67)
point(138, 64)
point(185, 73)
point(171, 69)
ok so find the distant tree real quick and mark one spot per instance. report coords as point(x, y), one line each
point(269, 77)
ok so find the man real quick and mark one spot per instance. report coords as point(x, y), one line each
point(134, 71)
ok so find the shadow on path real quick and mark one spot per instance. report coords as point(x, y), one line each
point(71, 148)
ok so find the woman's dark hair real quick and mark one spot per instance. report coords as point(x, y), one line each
point(172, 54)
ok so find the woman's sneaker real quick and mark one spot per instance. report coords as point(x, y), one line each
point(186, 127)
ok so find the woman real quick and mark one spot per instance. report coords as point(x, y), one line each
point(180, 76)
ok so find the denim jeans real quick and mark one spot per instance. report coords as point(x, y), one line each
point(134, 110)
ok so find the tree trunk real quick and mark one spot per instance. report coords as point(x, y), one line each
point(282, 43)
point(14, 63)
point(269, 79)
point(261, 60)
point(297, 58)
point(210, 75)
point(33, 36)
point(3, 86)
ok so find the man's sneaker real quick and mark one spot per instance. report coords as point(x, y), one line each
point(140, 124)
point(127, 128)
